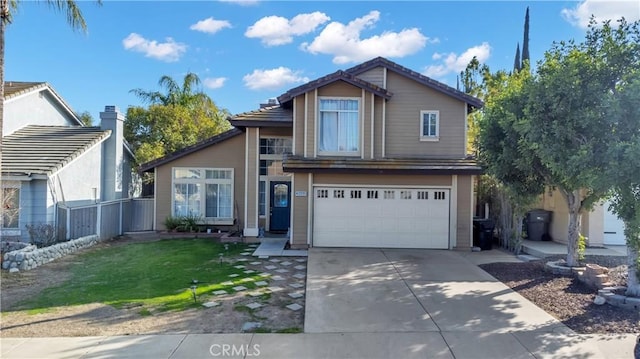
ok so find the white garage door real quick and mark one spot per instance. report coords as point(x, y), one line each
point(613, 227)
point(381, 217)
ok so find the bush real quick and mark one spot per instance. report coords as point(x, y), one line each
point(172, 223)
point(42, 235)
point(189, 223)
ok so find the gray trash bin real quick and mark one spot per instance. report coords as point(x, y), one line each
point(538, 225)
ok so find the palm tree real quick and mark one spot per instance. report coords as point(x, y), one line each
point(185, 95)
point(7, 7)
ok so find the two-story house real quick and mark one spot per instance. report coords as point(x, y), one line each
point(49, 157)
point(373, 156)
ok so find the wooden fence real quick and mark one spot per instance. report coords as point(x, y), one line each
point(106, 219)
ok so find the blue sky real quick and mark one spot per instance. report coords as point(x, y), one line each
point(249, 51)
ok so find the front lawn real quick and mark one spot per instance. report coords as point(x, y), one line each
point(152, 275)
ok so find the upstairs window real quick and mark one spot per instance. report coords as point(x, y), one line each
point(339, 127)
point(429, 125)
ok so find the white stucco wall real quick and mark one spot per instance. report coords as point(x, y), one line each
point(36, 108)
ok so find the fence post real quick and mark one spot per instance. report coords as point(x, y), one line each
point(99, 220)
point(120, 219)
point(68, 231)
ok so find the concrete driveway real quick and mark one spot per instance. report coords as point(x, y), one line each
point(396, 290)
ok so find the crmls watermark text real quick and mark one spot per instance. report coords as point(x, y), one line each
point(230, 350)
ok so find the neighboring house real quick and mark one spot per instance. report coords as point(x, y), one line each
point(49, 157)
point(601, 226)
point(373, 156)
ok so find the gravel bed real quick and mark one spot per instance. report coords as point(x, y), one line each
point(568, 299)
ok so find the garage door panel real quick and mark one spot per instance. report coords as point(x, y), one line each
point(381, 217)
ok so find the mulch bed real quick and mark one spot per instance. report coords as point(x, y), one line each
point(566, 298)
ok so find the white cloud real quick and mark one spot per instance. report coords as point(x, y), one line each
point(277, 30)
point(210, 25)
point(273, 79)
point(214, 82)
point(454, 63)
point(602, 10)
point(344, 42)
point(169, 51)
point(242, 2)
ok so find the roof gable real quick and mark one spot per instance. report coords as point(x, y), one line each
point(427, 81)
point(15, 89)
point(44, 150)
point(339, 75)
point(145, 167)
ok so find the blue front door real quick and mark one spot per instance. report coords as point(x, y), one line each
point(280, 211)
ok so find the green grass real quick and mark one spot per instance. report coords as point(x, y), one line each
point(154, 275)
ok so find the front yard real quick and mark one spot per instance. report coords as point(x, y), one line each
point(128, 287)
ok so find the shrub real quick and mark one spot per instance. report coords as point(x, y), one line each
point(172, 223)
point(42, 235)
point(189, 223)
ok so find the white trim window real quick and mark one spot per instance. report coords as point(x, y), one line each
point(429, 125)
point(203, 192)
point(339, 126)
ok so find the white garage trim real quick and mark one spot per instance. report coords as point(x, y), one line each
point(453, 212)
point(382, 216)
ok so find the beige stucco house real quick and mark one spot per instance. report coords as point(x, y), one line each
point(373, 156)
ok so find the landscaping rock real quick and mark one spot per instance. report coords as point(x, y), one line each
point(211, 304)
point(294, 306)
point(598, 300)
point(251, 326)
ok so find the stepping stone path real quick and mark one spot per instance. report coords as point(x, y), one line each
point(255, 263)
point(239, 288)
point(274, 289)
point(261, 283)
point(286, 263)
point(247, 280)
point(274, 260)
point(270, 267)
point(294, 307)
point(219, 292)
point(296, 285)
point(301, 260)
point(245, 254)
point(253, 246)
point(299, 276)
point(243, 260)
point(233, 275)
point(265, 274)
point(277, 277)
point(295, 295)
point(227, 283)
point(249, 326)
point(249, 271)
point(299, 267)
point(211, 304)
point(255, 294)
point(282, 271)
point(239, 267)
point(254, 305)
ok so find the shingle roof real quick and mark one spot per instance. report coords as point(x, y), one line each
point(266, 116)
point(336, 76)
point(14, 88)
point(46, 149)
point(427, 81)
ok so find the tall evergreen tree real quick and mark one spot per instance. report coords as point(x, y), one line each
point(525, 41)
point(517, 66)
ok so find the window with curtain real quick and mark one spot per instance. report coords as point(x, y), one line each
point(339, 127)
point(11, 207)
point(203, 192)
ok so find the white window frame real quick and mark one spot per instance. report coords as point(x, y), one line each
point(203, 181)
point(434, 137)
point(359, 141)
point(267, 178)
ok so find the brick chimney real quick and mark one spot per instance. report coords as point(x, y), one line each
point(112, 154)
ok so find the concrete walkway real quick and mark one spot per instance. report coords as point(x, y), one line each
point(432, 304)
point(327, 346)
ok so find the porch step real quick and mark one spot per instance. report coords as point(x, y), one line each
point(534, 252)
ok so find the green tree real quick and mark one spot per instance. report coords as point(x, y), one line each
point(517, 66)
point(176, 118)
point(86, 118)
point(7, 8)
point(625, 112)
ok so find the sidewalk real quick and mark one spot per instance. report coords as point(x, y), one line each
point(329, 346)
